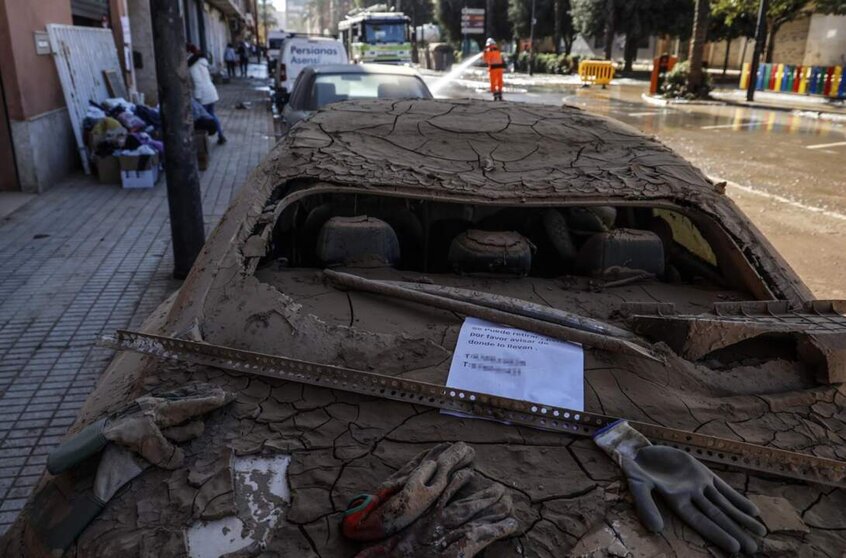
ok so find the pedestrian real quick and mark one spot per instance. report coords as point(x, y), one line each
point(204, 90)
point(244, 57)
point(230, 57)
point(496, 66)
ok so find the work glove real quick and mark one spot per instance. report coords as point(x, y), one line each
point(143, 427)
point(471, 513)
point(704, 501)
point(142, 434)
point(406, 494)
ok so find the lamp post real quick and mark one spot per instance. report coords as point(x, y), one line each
point(532, 41)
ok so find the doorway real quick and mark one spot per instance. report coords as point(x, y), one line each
point(8, 167)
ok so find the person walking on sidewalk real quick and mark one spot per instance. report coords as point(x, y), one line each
point(496, 66)
point(230, 57)
point(244, 57)
point(204, 90)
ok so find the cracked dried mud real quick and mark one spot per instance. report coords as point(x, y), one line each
point(569, 498)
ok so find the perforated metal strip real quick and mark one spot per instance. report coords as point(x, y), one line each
point(525, 413)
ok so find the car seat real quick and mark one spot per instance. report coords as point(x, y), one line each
point(324, 93)
point(621, 251)
point(395, 91)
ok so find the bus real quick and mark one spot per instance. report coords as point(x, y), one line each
point(377, 35)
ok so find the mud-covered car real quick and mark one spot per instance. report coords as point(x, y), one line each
point(551, 206)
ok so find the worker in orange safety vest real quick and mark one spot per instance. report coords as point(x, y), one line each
point(496, 66)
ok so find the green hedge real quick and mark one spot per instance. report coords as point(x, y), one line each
point(547, 63)
point(675, 84)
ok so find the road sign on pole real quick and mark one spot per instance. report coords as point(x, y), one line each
point(472, 21)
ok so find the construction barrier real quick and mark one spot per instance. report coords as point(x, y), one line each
point(828, 81)
point(599, 72)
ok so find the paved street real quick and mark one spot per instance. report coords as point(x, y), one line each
point(83, 259)
point(785, 169)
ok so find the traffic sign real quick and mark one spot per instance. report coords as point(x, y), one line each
point(472, 21)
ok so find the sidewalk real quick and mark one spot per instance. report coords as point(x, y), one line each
point(83, 259)
point(791, 102)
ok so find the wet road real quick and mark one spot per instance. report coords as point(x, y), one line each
point(785, 154)
point(790, 170)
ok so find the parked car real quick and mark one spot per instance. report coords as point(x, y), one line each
point(298, 51)
point(545, 205)
point(322, 85)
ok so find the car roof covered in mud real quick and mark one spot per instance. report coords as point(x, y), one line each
point(486, 150)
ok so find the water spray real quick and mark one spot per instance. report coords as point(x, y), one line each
point(454, 73)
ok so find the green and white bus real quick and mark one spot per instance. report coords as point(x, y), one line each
point(377, 35)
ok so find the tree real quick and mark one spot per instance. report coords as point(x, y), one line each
point(520, 16)
point(564, 30)
point(636, 19)
point(834, 7)
point(266, 20)
point(588, 16)
point(728, 22)
point(695, 76)
point(779, 13)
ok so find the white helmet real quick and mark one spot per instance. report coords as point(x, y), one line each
point(490, 42)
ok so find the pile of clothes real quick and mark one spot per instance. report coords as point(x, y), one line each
point(118, 127)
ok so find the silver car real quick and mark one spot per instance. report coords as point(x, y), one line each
point(319, 86)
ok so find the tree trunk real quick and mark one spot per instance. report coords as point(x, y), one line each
point(610, 28)
point(726, 59)
point(768, 57)
point(630, 52)
point(557, 29)
point(696, 77)
point(183, 181)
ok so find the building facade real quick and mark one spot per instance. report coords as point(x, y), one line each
point(37, 146)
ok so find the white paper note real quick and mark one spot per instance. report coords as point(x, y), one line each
point(510, 362)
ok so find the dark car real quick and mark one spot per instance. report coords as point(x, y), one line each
point(317, 87)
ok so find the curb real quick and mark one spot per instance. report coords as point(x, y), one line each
point(662, 102)
point(814, 113)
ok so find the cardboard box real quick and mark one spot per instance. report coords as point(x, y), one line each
point(108, 169)
point(139, 171)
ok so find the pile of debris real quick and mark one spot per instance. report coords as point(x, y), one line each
point(124, 140)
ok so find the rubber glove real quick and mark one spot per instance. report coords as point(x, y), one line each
point(139, 427)
point(471, 513)
point(406, 494)
point(63, 510)
point(704, 501)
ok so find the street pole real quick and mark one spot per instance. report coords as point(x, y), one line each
point(489, 18)
point(264, 17)
point(183, 180)
point(760, 38)
point(532, 40)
